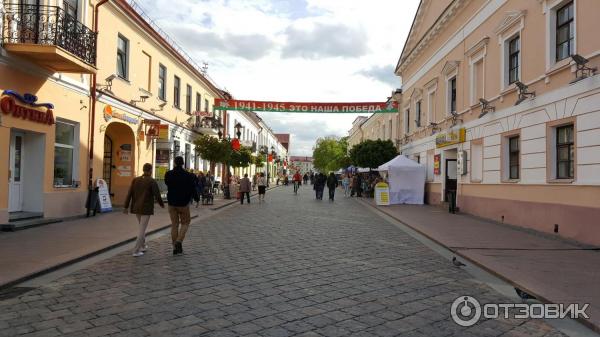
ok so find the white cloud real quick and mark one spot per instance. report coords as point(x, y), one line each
point(294, 50)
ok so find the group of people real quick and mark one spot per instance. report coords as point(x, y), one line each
point(144, 191)
point(245, 186)
point(320, 180)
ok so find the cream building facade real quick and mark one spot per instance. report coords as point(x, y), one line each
point(494, 105)
point(92, 90)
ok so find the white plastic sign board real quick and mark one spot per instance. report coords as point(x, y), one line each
point(382, 194)
point(103, 196)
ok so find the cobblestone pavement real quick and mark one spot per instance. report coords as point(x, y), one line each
point(290, 266)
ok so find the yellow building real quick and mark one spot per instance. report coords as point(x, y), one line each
point(66, 89)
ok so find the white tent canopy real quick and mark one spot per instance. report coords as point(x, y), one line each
point(406, 179)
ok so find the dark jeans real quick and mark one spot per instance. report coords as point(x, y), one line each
point(247, 194)
point(319, 193)
point(331, 193)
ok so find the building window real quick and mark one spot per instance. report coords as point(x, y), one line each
point(514, 51)
point(176, 92)
point(431, 107)
point(418, 114)
point(147, 64)
point(162, 82)
point(407, 121)
point(188, 99)
point(122, 57)
point(206, 105)
point(565, 152)
point(476, 161)
point(187, 156)
point(565, 32)
point(70, 7)
point(513, 157)
point(198, 102)
point(64, 153)
point(452, 95)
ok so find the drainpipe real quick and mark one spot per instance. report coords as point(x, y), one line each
point(93, 98)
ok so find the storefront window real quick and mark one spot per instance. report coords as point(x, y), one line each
point(64, 147)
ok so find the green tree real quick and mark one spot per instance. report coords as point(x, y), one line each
point(213, 150)
point(259, 160)
point(241, 158)
point(372, 153)
point(330, 154)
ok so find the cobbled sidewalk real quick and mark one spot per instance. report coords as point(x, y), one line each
point(292, 266)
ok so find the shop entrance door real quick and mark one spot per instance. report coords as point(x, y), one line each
point(15, 184)
point(451, 178)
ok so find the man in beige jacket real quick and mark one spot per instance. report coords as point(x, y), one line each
point(245, 186)
point(142, 195)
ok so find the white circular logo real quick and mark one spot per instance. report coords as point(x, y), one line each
point(465, 311)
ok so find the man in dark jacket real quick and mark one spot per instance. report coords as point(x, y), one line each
point(181, 190)
point(332, 184)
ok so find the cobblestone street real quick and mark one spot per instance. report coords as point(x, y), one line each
point(290, 266)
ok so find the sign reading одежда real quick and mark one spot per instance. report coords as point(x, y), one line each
point(367, 107)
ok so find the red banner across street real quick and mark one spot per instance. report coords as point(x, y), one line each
point(363, 107)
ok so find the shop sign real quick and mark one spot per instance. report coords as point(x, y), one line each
point(382, 194)
point(163, 132)
point(437, 161)
point(151, 121)
point(203, 113)
point(26, 107)
point(450, 138)
point(367, 107)
point(162, 156)
point(103, 196)
point(109, 114)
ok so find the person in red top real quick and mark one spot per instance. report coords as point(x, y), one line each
point(297, 179)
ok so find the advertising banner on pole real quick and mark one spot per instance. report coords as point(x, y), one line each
point(306, 107)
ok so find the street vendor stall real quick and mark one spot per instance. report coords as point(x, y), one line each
point(406, 180)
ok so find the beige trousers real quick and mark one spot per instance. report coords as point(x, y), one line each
point(142, 226)
point(180, 222)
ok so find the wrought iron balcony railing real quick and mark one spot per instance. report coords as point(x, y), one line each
point(48, 25)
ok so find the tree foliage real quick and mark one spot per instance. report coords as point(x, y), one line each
point(241, 158)
point(213, 149)
point(372, 153)
point(330, 154)
point(259, 160)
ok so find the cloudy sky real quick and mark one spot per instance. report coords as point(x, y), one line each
point(294, 50)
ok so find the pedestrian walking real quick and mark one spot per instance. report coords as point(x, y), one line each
point(181, 191)
point(358, 185)
point(254, 181)
point(142, 194)
point(245, 188)
point(346, 185)
point(262, 187)
point(320, 181)
point(201, 184)
point(332, 184)
point(305, 178)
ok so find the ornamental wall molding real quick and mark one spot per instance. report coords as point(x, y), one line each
point(510, 18)
point(482, 44)
point(449, 67)
point(434, 31)
point(416, 26)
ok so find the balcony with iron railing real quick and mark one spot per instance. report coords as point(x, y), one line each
point(49, 37)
